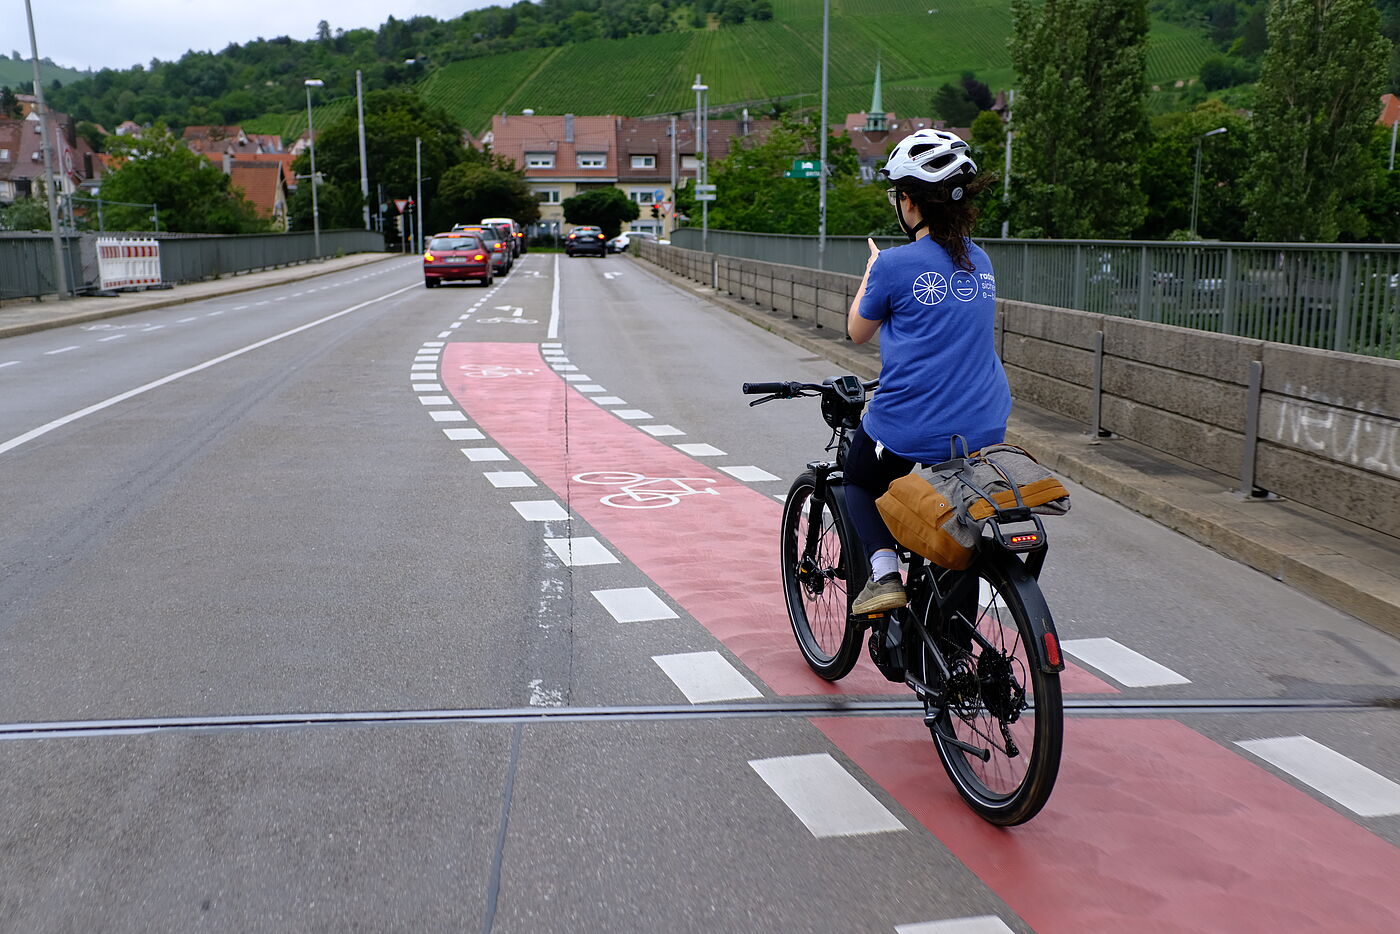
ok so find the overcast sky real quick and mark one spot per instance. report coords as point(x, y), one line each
point(121, 33)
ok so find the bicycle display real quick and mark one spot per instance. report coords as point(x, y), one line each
point(978, 647)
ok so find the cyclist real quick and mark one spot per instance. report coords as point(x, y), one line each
point(933, 301)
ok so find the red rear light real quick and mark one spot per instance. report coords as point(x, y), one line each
point(600, 236)
point(1052, 651)
point(479, 256)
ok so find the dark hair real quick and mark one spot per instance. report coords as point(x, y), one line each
point(950, 221)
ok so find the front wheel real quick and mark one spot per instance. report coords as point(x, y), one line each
point(817, 581)
point(1001, 727)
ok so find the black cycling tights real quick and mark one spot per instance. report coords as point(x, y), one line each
point(867, 478)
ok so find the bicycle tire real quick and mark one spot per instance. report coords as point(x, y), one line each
point(817, 587)
point(1002, 790)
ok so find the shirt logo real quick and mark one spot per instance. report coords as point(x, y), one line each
point(964, 286)
point(930, 288)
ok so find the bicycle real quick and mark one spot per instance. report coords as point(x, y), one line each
point(978, 647)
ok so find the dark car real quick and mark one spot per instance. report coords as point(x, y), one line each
point(515, 229)
point(586, 240)
point(453, 257)
point(506, 228)
point(502, 257)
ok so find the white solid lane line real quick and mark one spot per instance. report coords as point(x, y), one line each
point(485, 454)
point(700, 450)
point(50, 353)
point(706, 677)
point(122, 397)
point(575, 552)
point(540, 510)
point(661, 431)
point(824, 796)
point(634, 604)
point(554, 304)
point(464, 434)
point(1350, 784)
point(749, 474)
point(1122, 664)
point(983, 924)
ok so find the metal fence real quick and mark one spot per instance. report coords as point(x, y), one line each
point(1332, 296)
point(26, 259)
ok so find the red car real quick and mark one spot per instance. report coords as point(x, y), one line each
point(455, 256)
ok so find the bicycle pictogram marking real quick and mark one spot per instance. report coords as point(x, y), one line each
point(638, 491)
point(930, 288)
point(493, 371)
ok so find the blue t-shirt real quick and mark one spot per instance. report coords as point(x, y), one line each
point(939, 373)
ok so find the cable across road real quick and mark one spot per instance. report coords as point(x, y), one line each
point(1087, 707)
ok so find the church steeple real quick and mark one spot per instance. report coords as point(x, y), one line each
point(875, 116)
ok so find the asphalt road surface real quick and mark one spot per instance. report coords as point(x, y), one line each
point(330, 606)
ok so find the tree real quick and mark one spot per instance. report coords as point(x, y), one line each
point(25, 214)
point(1080, 118)
point(487, 186)
point(977, 93)
point(1315, 107)
point(1168, 173)
point(950, 104)
point(193, 194)
point(9, 103)
point(989, 151)
point(601, 207)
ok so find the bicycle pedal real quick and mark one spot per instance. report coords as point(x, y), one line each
point(869, 618)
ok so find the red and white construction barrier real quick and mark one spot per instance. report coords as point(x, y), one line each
point(124, 264)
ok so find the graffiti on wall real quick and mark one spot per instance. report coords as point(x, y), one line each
point(1315, 421)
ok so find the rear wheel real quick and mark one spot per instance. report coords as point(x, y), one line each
point(817, 581)
point(998, 700)
point(430, 283)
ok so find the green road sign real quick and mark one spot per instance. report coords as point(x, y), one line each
point(807, 165)
point(812, 173)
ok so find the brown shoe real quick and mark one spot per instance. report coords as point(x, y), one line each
point(877, 596)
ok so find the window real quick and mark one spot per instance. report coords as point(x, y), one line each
point(539, 160)
point(643, 162)
point(593, 160)
point(644, 195)
point(548, 195)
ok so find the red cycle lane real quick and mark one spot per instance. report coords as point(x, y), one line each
point(1152, 827)
point(715, 555)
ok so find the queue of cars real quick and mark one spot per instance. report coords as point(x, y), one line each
point(488, 249)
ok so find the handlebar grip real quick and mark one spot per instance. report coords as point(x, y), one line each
point(764, 389)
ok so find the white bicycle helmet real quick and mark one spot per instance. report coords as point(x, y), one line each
point(929, 156)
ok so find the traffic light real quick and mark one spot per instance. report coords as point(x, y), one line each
point(655, 211)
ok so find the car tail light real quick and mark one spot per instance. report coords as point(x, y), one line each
point(600, 236)
point(572, 236)
point(479, 256)
point(427, 257)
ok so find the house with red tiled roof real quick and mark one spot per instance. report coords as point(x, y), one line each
point(284, 159)
point(262, 183)
point(874, 132)
point(646, 158)
point(22, 156)
point(229, 139)
point(1390, 110)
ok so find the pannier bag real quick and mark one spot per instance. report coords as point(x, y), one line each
point(940, 516)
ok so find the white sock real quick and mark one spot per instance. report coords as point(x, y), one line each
point(883, 562)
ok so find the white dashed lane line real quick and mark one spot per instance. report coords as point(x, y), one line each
point(13, 362)
point(191, 318)
point(634, 604)
point(1122, 664)
point(464, 434)
point(661, 431)
point(50, 353)
point(749, 473)
point(540, 510)
point(433, 344)
point(436, 400)
point(1350, 784)
point(590, 387)
point(609, 400)
point(508, 479)
point(577, 552)
point(427, 387)
point(706, 677)
point(448, 416)
point(700, 450)
point(485, 454)
point(631, 415)
point(828, 800)
point(577, 378)
point(982, 924)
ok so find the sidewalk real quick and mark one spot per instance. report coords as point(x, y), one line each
point(26, 317)
point(1347, 566)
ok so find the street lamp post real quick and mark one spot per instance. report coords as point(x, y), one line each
point(1196, 186)
point(60, 272)
point(364, 171)
point(821, 179)
point(418, 201)
point(702, 169)
point(311, 136)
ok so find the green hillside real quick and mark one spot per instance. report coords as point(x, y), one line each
point(13, 73)
point(756, 62)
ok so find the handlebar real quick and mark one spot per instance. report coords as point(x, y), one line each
point(762, 389)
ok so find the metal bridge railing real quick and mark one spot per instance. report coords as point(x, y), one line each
point(1342, 297)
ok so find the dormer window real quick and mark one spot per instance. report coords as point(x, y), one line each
point(4, 155)
point(539, 160)
point(643, 162)
point(593, 160)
